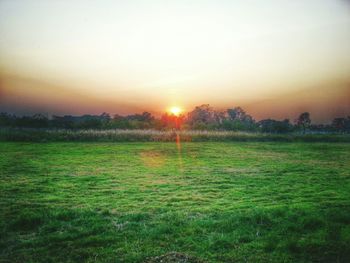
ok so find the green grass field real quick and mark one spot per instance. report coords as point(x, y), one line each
point(214, 201)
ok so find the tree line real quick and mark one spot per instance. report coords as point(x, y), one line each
point(201, 117)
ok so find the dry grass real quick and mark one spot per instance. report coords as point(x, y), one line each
point(117, 135)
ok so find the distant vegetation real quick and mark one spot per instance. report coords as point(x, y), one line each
point(202, 117)
point(122, 135)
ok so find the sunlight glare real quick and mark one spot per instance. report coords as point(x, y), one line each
point(175, 110)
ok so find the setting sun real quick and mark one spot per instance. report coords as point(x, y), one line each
point(175, 110)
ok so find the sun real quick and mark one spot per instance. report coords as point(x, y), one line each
point(175, 110)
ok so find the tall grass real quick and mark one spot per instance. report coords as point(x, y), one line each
point(117, 135)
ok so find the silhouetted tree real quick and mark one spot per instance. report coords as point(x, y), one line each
point(171, 121)
point(237, 113)
point(35, 121)
point(202, 117)
point(304, 121)
point(238, 119)
point(140, 121)
point(341, 124)
point(118, 122)
point(66, 122)
point(6, 119)
point(274, 126)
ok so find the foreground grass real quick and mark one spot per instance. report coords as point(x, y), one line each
point(218, 202)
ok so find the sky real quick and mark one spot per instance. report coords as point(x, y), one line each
point(275, 58)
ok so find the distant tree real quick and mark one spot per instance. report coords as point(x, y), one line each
point(341, 124)
point(220, 117)
point(304, 121)
point(118, 122)
point(171, 121)
point(105, 119)
point(140, 121)
point(237, 113)
point(81, 122)
point(35, 121)
point(89, 122)
point(61, 122)
point(274, 126)
point(202, 117)
point(40, 121)
point(347, 124)
point(238, 119)
point(321, 128)
point(105, 116)
point(6, 119)
point(144, 117)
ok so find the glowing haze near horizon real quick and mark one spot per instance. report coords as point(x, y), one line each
point(275, 58)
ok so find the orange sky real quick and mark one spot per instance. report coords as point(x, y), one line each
point(273, 58)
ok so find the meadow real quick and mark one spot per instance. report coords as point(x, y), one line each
point(270, 201)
